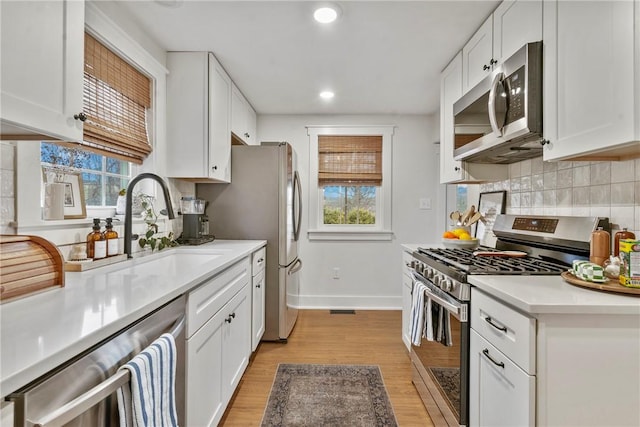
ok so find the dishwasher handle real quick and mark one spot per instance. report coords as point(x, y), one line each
point(82, 403)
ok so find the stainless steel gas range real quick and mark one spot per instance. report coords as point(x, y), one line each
point(441, 298)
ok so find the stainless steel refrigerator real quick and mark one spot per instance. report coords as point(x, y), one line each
point(264, 201)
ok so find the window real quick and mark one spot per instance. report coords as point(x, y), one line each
point(102, 177)
point(350, 172)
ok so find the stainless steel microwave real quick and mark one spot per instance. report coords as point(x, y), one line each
point(500, 119)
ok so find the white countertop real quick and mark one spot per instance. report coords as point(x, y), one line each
point(548, 294)
point(552, 295)
point(40, 332)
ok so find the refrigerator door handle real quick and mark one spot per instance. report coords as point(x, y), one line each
point(297, 266)
point(297, 191)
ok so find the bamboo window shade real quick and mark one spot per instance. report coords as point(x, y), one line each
point(349, 160)
point(116, 97)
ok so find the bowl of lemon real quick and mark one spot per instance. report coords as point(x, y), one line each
point(459, 237)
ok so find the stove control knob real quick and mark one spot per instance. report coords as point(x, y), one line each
point(430, 273)
point(436, 279)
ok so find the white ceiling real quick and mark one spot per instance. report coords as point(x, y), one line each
point(379, 57)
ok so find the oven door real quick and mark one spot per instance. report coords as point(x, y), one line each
point(440, 371)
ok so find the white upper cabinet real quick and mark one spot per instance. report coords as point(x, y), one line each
point(450, 91)
point(451, 170)
point(591, 80)
point(512, 24)
point(198, 118)
point(243, 118)
point(42, 45)
point(477, 56)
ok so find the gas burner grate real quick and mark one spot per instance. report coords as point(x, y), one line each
point(471, 264)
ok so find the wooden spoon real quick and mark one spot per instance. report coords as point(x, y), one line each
point(475, 218)
point(455, 216)
point(467, 214)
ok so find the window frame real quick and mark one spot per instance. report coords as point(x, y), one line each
point(382, 229)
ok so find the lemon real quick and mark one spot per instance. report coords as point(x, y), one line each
point(465, 236)
point(459, 231)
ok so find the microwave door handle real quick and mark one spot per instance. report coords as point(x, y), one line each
point(497, 79)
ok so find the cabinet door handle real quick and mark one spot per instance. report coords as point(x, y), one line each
point(486, 353)
point(260, 261)
point(232, 315)
point(457, 168)
point(545, 142)
point(215, 168)
point(493, 61)
point(258, 286)
point(246, 135)
point(80, 116)
point(228, 319)
point(485, 67)
point(490, 321)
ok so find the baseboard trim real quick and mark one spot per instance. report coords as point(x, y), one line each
point(351, 302)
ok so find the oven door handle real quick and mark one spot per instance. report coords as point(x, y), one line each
point(457, 309)
point(454, 309)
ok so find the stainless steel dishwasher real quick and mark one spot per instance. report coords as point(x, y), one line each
point(83, 391)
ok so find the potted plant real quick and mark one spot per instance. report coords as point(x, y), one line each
point(150, 218)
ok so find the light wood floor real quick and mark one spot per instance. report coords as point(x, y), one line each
point(366, 338)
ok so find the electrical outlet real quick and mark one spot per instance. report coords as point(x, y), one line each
point(336, 273)
point(425, 203)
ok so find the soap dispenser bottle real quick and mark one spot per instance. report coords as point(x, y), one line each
point(96, 242)
point(111, 236)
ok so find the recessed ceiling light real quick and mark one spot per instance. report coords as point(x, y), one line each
point(325, 14)
point(327, 94)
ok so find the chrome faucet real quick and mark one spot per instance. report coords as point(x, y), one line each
point(129, 202)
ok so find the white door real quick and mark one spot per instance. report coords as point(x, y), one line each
point(500, 393)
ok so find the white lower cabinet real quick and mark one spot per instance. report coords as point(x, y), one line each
point(258, 282)
point(502, 381)
point(257, 303)
point(6, 413)
point(501, 394)
point(217, 352)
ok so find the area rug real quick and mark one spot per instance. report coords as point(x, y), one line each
point(448, 379)
point(328, 395)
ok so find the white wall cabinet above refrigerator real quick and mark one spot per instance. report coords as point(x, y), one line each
point(198, 118)
point(42, 69)
point(592, 80)
point(243, 118)
point(510, 26)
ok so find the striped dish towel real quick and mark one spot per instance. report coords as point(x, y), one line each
point(148, 400)
point(417, 312)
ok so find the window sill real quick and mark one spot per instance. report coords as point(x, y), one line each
point(351, 235)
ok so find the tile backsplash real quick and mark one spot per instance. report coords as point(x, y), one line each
point(607, 189)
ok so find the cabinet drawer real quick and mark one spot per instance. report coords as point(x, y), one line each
point(510, 331)
point(208, 298)
point(258, 261)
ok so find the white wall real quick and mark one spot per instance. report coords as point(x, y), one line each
point(370, 272)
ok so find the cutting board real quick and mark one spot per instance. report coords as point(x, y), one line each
point(609, 286)
point(28, 264)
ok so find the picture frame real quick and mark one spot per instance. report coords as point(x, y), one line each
point(490, 204)
point(74, 201)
